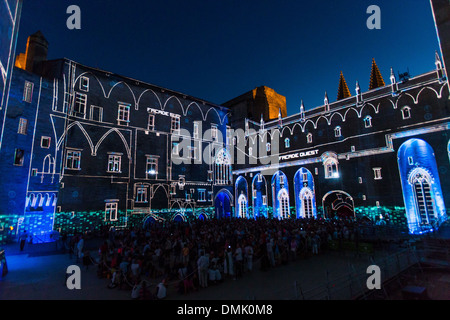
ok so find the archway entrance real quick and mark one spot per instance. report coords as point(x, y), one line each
point(222, 204)
point(338, 204)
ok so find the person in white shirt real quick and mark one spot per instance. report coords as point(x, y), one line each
point(203, 265)
point(161, 290)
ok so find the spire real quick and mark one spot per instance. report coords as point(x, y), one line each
point(376, 80)
point(343, 91)
point(302, 111)
point(280, 123)
point(326, 102)
point(358, 93)
point(392, 77)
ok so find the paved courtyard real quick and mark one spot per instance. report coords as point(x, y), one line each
point(41, 274)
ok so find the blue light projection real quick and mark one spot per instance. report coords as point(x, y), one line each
point(422, 194)
point(305, 197)
point(241, 195)
point(222, 204)
point(259, 196)
point(280, 195)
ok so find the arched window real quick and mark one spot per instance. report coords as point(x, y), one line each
point(337, 132)
point(283, 199)
point(309, 138)
point(331, 168)
point(222, 168)
point(287, 143)
point(306, 197)
point(420, 181)
point(406, 112)
point(368, 122)
point(242, 201)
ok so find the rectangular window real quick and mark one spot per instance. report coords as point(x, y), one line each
point(210, 176)
point(254, 193)
point(175, 149)
point(175, 125)
point(287, 143)
point(202, 195)
point(123, 113)
point(173, 188)
point(360, 180)
point(309, 138)
point(268, 147)
point(377, 173)
point(18, 157)
point(73, 159)
point(45, 142)
point(111, 211)
point(151, 122)
point(188, 197)
point(410, 161)
point(28, 91)
point(96, 113)
point(34, 172)
point(352, 148)
point(196, 132)
point(264, 200)
point(84, 84)
point(79, 107)
point(152, 167)
point(305, 177)
point(114, 162)
point(229, 135)
point(213, 132)
point(141, 195)
point(23, 126)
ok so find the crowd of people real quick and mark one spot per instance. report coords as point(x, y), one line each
point(195, 255)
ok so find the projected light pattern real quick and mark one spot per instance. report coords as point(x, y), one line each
point(259, 196)
point(280, 196)
point(305, 197)
point(422, 194)
point(241, 193)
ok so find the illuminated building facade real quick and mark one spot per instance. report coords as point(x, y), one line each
point(382, 154)
point(84, 148)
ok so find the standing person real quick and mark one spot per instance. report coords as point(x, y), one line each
point(23, 238)
point(238, 256)
point(293, 248)
point(80, 246)
point(202, 265)
point(249, 256)
point(161, 290)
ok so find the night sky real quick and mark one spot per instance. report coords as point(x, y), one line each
point(218, 49)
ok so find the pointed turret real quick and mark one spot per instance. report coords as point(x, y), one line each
point(392, 77)
point(261, 123)
point(326, 102)
point(343, 91)
point(358, 93)
point(302, 111)
point(280, 121)
point(376, 80)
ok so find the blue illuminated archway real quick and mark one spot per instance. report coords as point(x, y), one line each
point(222, 204)
point(422, 194)
point(280, 195)
point(259, 196)
point(305, 197)
point(241, 195)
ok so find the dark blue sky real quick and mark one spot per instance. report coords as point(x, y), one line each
point(219, 49)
